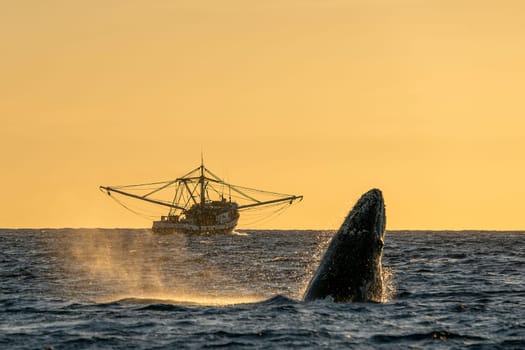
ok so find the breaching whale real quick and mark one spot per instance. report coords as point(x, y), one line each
point(350, 269)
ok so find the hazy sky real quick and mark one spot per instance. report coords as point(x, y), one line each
point(325, 98)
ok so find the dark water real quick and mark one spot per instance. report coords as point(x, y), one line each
point(129, 289)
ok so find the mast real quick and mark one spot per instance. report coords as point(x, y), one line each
point(201, 180)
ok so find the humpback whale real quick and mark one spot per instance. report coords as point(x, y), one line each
point(350, 269)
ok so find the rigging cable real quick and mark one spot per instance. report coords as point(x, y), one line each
point(144, 216)
point(266, 218)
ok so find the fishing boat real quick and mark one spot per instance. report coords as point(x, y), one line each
point(198, 202)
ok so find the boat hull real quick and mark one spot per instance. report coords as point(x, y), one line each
point(178, 227)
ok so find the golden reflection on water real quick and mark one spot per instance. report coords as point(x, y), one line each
point(184, 299)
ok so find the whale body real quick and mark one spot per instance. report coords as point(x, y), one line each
point(350, 269)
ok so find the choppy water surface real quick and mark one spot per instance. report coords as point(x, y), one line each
point(130, 289)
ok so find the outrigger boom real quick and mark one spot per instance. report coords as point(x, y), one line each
point(291, 199)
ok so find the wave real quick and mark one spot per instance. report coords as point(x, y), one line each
point(433, 335)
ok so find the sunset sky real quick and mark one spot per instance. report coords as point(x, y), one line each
point(424, 99)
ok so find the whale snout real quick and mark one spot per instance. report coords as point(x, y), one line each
point(369, 213)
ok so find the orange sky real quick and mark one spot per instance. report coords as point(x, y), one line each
point(325, 98)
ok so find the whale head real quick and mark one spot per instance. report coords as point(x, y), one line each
point(350, 269)
point(368, 214)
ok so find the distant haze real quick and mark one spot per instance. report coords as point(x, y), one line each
point(324, 98)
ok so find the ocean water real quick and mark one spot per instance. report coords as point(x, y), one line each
point(131, 289)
